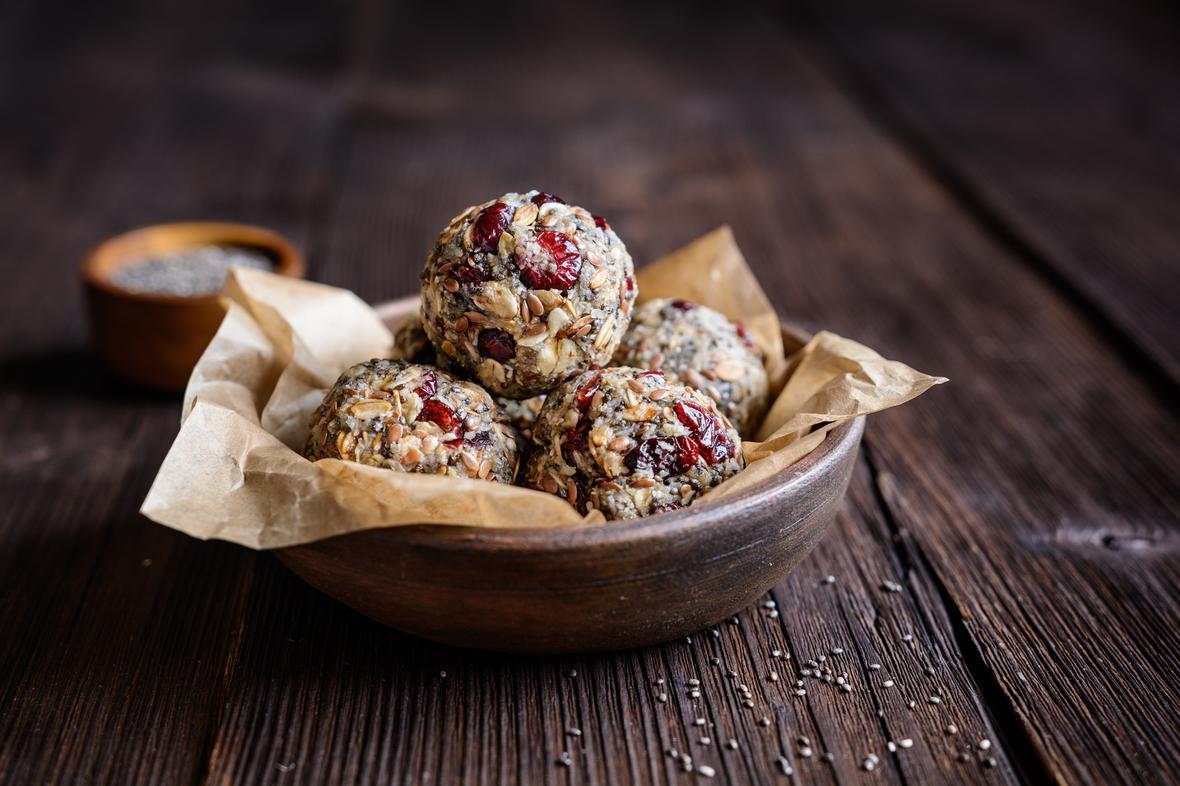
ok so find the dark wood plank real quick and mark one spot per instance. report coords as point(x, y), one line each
point(1056, 121)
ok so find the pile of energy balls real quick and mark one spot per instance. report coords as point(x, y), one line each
point(530, 364)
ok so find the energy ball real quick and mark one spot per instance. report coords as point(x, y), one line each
point(697, 346)
point(525, 291)
point(630, 443)
point(413, 418)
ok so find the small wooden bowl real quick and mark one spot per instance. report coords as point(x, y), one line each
point(614, 586)
point(155, 340)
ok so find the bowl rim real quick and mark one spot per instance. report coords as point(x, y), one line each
point(686, 521)
point(120, 249)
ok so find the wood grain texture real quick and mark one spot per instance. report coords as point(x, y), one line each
point(1055, 121)
point(1028, 509)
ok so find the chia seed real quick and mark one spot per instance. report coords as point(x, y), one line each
point(188, 272)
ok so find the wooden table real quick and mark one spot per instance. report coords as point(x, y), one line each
point(988, 192)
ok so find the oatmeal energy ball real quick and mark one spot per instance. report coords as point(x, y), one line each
point(697, 346)
point(630, 443)
point(526, 291)
point(412, 418)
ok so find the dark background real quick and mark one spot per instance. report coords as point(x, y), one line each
point(987, 191)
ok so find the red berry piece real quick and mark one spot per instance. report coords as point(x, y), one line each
point(496, 344)
point(661, 454)
point(559, 270)
point(744, 335)
point(473, 273)
point(489, 225)
point(682, 305)
point(574, 441)
point(427, 388)
point(586, 393)
point(440, 415)
point(630, 281)
point(600, 222)
point(542, 197)
point(706, 430)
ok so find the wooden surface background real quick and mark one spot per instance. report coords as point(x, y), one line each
point(987, 191)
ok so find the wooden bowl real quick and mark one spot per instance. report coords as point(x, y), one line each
point(155, 340)
point(607, 587)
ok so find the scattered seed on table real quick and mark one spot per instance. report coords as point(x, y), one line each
point(715, 660)
point(906, 743)
point(800, 692)
point(573, 673)
point(784, 766)
point(699, 722)
point(706, 770)
point(951, 729)
point(829, 579)
point(764, 722)
point(985, 744)
point(913, 704)
point(891, 746)
point(442, 674)
point(837, 650)
point(964, 757)
point(934, 699)
point(748, 704)
point(989, 762)
point(732, 745)
point(805, 752)
point(888, 683)
point(770, 604)
point(908, 637)
point(662, 698)
point(694, 694)
point(773, 614)
point(573, 731)
point(772, 677)
point(706, 740)
point(565, 760)
point(874, 667)
point(801, 740)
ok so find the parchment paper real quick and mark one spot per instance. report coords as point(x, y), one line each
point(235, 473)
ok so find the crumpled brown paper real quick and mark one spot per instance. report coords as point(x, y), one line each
point(235, 472)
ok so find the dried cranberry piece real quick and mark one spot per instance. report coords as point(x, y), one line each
point(682, 305)
point(707, 431)
point(743, 334)
point(600, 222)
point(574, 441)
point(542, 197)
point(427, 388)
point(586, 393)
point(674, 454)
point(560, 272)
point(630, 282)
point(439, 414)
point(489, 225)
point(471, 274)
point(496, 344)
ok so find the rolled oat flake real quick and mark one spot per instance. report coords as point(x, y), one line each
point(188, 272)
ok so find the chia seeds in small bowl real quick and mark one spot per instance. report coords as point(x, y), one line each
point(152, 293)
point(198, 271)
